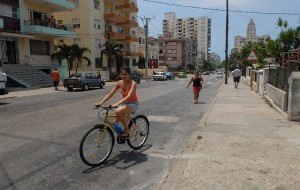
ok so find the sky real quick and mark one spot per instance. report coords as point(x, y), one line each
point(238, 21)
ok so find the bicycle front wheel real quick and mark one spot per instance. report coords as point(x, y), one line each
point(139, 131)
point(96, 145)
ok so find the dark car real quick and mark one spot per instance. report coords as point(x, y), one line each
point(170, 75)
point(133, 76)
point(83, 80)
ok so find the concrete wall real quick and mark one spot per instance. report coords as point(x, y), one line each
point(279, 97)
point(294, 97)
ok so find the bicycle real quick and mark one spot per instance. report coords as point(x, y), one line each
point(97, 143)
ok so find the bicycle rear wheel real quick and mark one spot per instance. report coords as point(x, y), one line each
point(96, 145)
point(139, 131)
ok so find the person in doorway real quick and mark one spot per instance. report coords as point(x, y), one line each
point(197, 81)
point(56, 78)
point(236, 76)
point(129, 102)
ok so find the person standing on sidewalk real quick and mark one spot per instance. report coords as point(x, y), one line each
point(236, 76)
point(197, 81)
point(56, 78)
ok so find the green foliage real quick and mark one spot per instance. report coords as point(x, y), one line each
point(141, 62)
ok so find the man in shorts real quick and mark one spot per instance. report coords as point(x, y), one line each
point(236, 76)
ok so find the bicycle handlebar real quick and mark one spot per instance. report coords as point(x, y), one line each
point(104, 107)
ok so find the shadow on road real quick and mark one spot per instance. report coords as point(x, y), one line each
point(133, 157)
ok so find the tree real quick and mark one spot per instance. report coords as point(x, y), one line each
point(141, 62)
point(78, 54)
point(288, 39)
point(112, 51)
point(64, 51)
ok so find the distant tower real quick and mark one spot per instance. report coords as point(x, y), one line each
point(251, 32)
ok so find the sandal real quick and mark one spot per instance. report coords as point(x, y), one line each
point(125, 134)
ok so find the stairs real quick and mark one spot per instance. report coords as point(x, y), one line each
point(27, 76)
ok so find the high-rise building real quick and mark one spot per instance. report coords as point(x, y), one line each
point(198, 29)
point(240, 41)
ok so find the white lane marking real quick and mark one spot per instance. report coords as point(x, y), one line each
point(168, 119)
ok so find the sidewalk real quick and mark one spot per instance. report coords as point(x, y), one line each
point(21, 92)
point(241, 142)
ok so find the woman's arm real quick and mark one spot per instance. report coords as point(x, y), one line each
point(190, 82)
point(108, 96)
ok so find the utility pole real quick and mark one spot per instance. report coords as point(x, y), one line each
point(226, 45)
point(147, 20)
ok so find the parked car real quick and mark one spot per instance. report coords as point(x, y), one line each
point(205, 73)
point(170, 75)
point(83, 80)
point(182, 75)
point(159, 76)
point(219, 74)
point(133, 76)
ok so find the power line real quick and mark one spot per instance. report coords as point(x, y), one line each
point(223, 10)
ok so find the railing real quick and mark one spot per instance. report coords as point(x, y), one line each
point(279, 78)
point(48, 24)
point(28, 59)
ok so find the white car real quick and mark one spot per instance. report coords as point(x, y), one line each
point(219, 74)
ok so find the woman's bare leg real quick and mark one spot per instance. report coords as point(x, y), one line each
point(120, 112)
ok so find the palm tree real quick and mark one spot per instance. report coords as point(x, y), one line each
point(114, 51)
point(64, 51)
point(78, 54)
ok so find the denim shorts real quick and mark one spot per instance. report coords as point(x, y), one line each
point(133, 106)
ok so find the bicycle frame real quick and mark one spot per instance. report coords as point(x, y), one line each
point(108, 123)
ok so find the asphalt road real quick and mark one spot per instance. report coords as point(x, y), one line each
point(40, 136)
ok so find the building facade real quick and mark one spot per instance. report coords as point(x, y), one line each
point(26, 35)
point(108, 24)
point(240, 41)
point(197, 29)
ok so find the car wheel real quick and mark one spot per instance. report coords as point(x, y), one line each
point(101, 85)
point(69, 88)
point(86, 87)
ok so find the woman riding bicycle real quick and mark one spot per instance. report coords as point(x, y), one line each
point(128, 104)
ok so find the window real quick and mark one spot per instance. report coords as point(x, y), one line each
point(134, 62)
point(174, 58)
point(96, 4)
point(38, 47)
point(98, 43)
point(8, 10)
point(98, 63)
point(76, 22)
point(97, 23)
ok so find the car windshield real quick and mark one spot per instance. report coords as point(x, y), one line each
point(75, 75)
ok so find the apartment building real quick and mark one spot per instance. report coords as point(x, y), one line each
point(100, 24)
point(25, 38)
point(197, 29)
point(240, 41)
point(153, 49)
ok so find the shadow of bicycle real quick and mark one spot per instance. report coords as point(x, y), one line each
point(130, 158)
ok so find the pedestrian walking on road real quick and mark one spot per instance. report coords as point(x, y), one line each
point(236, 76)
point(56, 78)
point(197, 81)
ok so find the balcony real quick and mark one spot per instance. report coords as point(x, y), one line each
point(129, 23)
point(56, 31)
point(130, 52)
point(115, 36)
point(128, 8)
point(56, 5)
point(114, 2)
point(112, 17)
point(129, 38)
